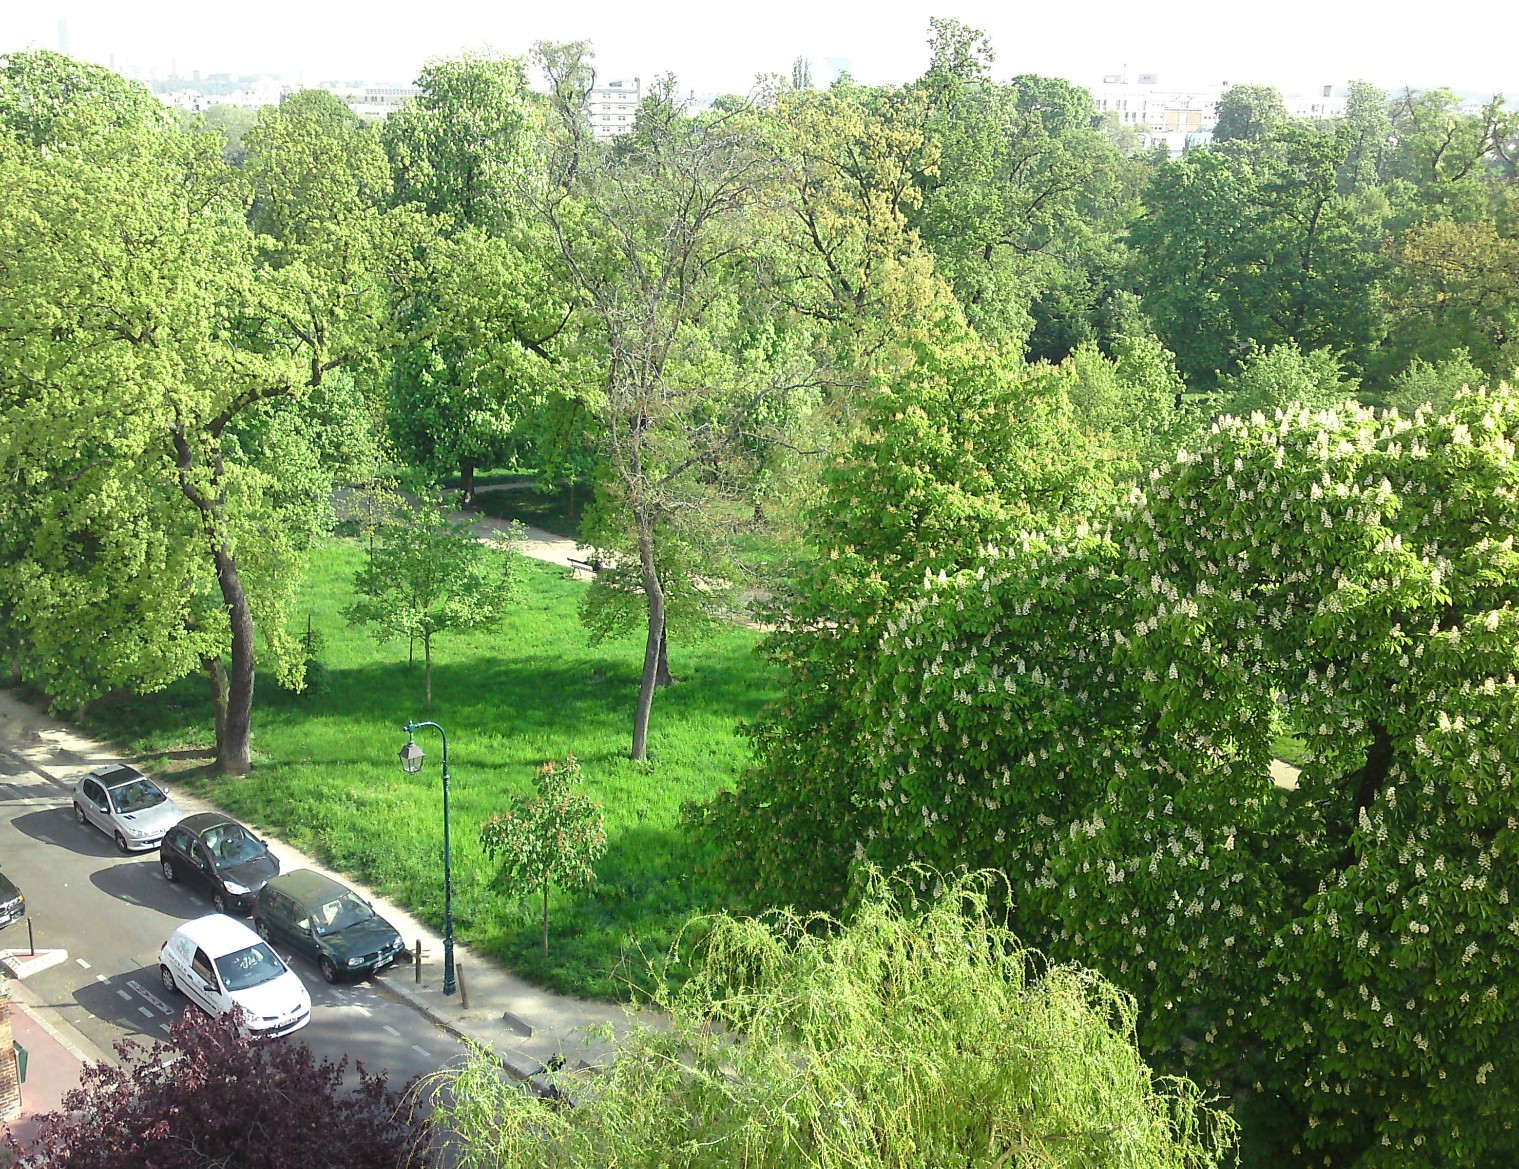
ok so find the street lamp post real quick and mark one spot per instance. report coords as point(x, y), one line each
point(411, 762)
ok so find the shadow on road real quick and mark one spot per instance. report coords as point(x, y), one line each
point(142, 884)
point(57, 826)
point(134, 1001)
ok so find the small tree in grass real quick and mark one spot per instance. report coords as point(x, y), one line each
point(430, 575)
point(212, 1096)
point(552, 838)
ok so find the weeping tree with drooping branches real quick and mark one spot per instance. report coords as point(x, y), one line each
point(920, 1033)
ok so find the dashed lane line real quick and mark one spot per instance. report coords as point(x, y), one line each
point(391, 1029)
point(148, 996)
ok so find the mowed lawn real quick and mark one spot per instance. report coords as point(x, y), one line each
point(327, 779)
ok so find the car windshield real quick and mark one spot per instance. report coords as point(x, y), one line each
point(251, 967)
point(137, 795)
point(230, 845)
point(339, 914)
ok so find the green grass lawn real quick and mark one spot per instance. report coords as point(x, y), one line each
point(326, 776)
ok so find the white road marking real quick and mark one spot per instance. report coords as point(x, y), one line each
point(143, 1011)
point(126, 994)
point(422, 1051)
point(164, 1027)
point(127, 897)
point(144, 993)
point(102, 979)
point(392, 1030)
point(46, 839)
point(82, 962)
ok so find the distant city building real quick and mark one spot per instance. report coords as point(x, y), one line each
point(612, 106)
point(1183, 117)
point(380, 101)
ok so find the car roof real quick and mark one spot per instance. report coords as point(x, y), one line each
point(199, 822)
point(217, 934)
point(306, 886)
point(116, 774)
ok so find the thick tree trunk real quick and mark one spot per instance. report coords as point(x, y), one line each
point(545, 919)
point(656, 598)
point(216, 675)
point(427, 673)
point(467, 481)
point(233, 751)
point(234, 754)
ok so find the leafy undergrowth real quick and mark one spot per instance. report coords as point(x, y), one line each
point(326, 776)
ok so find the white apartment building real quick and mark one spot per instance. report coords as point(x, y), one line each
point(380, 101)
point(611, 107)
point(1182, 117)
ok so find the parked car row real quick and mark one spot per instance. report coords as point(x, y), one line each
point(216, 961)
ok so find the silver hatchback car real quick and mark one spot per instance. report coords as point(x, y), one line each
point(126, 805)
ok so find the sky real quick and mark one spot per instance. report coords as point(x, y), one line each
point(720, 47)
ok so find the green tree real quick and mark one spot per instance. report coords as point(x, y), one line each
point(1258, 246)
point(910, 1036)
point(1285, 378)
point(1094, 712)
point(430, 576)
point(554, 837)
point(482, 310)
point(1249, 113)
point(134, 291)
point(1023, 201)
point(960, 450)
point(656, 236)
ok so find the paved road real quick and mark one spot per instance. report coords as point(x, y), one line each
point(113, 912)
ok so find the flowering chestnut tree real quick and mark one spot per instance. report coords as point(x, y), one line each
point(1092, 711)
point(554, 837)
point(212, 1096)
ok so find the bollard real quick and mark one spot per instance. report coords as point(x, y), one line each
point(31, 943)
point(417, 961)
point(463, 990)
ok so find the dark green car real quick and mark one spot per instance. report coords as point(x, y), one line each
point(326, 922)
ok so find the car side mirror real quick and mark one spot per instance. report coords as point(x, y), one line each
point(103, 809)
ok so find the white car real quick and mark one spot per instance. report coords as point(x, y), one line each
point(126, 805)
point(219, 963)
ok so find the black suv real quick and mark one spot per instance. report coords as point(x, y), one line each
point(220, 857)
point(328, 923)
point(12, 903)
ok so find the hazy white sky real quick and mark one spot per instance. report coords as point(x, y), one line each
point(716, 46)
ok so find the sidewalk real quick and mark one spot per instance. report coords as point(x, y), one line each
point(55, 1055)
point(522, 1024)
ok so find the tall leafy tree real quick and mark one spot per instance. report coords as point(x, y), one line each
point(1249, 113)
point(957, 451)
point(481, 311)
point(1093, 713)
point(1258, 246)
point(656, 236)
point(135, 291)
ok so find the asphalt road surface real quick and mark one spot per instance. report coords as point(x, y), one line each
point(112, 913)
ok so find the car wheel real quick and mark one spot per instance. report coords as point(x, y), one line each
point(168, 867)
point(219, 901)
point(262, 927)
point(329, 971)
point(121, 842)
point(79, 814)
point(166, 976)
